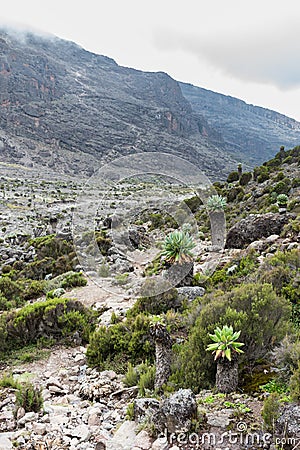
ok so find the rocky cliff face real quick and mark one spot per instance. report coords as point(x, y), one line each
point(65, 107)
point(252, 134)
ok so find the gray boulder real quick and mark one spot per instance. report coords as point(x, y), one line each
point(190, 292)
point(255, 227)
point(145, 408)
point(176, 412)
point(288, 423)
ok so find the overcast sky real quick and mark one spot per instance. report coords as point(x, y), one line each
point(247, 49)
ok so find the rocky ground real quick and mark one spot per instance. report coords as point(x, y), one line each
point(87, 410)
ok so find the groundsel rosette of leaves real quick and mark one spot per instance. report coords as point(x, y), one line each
point(177, 247)
point(216, 203)
point(225, 342)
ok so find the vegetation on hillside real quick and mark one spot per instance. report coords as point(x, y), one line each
point(253, 297)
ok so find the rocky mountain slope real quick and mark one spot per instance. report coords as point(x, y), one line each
point(251, 133)
point(65, 107)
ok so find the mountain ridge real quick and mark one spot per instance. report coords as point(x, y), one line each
point(69, 109)
point(236, 119)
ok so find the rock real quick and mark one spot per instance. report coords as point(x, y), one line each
point(56, 390)
point(124, 437)
point(5, 442)
point(20, 413)
point(137, 237)
point(288, 423)
point(39, 428)
point(293, 245)
point(28, 417)
point(191, 292)
point(145, 408)
point(272, 238)
point(82, 432)
point(122, 266)
point(79, 357)
point(100, 446)
point(255, 227)
point(220, 419)
point(176, 412)
point(143, 440)
point(160, 444)
point(94, 420)
point(259, 246)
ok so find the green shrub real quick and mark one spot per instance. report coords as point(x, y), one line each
point(234, 193)
point(282, 187)
point(261, 174)
point(104, 243)
point(132, 376)
point(29, 397)
point(233, 176)
point(146, 381)
point(245, 178)
point(104, 271)
point(286, 357)
point(121, 343)
point(50, 246)
point(5, 305)
point(73, 279)
point(122, 278)
point(279, 177)
point(295, 318)
point(295, 385)
point(274, 385)
point(159, 220)
point(160, 303)
point(255, 309)
point(7, 381)
point(54, 318)
point(11, 290)
point(142, 376)
point(33, 289)
point(270, 412)
point(37, 270)
point(130, 412)
point(295, 182)
point(193, 203)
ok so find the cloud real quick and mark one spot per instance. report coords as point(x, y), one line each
point(20, 31)
point(269, 55)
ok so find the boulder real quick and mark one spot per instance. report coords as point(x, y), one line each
point(190, 292)
point(176, 412)
point(255, 227)
point(124, 437)
point(145, 408)
point(288, 423)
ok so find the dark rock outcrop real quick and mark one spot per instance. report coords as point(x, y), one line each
point(288, 425)
point(249, 133)
point(65, 107)
point(255, 227)
point(176, 412)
